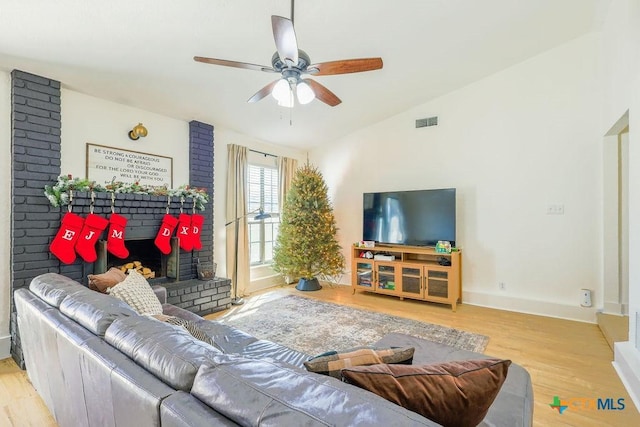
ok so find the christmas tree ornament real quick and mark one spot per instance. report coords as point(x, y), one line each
point(93, 227)
point(163, 238)
point(196, 227)
point(115, 239)
point(184, 232)
point(63, 244)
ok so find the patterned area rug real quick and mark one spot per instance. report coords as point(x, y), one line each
point(314, 327)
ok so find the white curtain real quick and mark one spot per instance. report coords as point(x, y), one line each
point(236, 212)
point(286, 171)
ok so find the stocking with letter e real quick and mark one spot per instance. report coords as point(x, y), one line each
point(64, 243)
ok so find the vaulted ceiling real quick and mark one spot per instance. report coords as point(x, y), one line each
point(140, 53)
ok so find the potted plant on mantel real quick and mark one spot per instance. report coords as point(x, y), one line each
point(306, 247)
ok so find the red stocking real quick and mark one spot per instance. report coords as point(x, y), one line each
point(94, 225)
point(115, 239)
point(62, 245)
point(196, 226)
point(163, 238)
point(184, 232)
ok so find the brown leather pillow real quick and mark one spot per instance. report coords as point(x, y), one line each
point(100, 282)
point(452, 393)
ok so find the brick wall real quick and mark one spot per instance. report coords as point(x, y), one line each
point(201, 175)
point(201, 297)
point(35, 147)
point(36, 143)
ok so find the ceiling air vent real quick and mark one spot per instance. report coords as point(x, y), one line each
point(429, 121)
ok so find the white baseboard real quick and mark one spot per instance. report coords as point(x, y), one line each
point(521, 305)
point(616, 308)
point(627, 364)
point(5, 347)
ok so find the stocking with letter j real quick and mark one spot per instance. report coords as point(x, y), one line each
point(93, 227)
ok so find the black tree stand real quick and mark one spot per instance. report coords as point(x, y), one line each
point(308, 284)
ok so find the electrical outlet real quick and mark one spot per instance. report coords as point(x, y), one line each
point(502, 286)
point(555, 209)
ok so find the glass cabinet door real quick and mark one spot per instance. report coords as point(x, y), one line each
point(364, 274)
point(412, 281)
point(438, 284)
point(386, 278)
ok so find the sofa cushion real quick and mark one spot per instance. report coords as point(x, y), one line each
point(137, 293)
point(332, 362)
point(167, 351)
point(93, 310)
point(278, 394)
point(53, 288)
point(450, 393)
point(101, 282)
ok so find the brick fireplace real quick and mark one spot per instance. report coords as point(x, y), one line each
point(36, 145)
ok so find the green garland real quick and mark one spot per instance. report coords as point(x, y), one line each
point(58, 194)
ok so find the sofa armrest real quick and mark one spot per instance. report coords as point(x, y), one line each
point(161, 293)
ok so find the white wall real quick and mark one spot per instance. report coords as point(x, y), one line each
point(621, 60)
point(5, 213)
point(86, 119)
point(511, 144)
point(223, 137)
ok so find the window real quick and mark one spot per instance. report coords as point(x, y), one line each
point(263, 194)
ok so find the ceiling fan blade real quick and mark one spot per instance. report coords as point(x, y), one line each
point(322, 93)
point(345, 66)
point(265, 91)
point(233, 64)
point(285, 38)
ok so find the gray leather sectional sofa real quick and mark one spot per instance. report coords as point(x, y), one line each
point(95, 362)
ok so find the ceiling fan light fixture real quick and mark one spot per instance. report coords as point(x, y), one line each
point(304, 92)
point(281, 90)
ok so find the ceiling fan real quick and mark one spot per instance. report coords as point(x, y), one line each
point(292, 63)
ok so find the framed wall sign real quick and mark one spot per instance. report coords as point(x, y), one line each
point(108, 164)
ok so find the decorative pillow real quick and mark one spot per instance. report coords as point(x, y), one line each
point(137, 293)
point(332, 362)
point(101, 282)
point(189, 325)
point(452, 393)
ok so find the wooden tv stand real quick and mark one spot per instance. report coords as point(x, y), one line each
point(414, 273)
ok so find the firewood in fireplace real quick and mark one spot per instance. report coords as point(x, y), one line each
point(146, 272)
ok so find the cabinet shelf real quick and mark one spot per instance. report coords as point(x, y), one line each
point(415, 273)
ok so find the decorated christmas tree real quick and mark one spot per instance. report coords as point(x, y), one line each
point(306, 247)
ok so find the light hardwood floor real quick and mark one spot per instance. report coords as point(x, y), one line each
point(565, 358)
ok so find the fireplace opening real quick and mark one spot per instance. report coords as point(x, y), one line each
point(145, 257)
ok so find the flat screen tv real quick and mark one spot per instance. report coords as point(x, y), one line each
point(412, 218)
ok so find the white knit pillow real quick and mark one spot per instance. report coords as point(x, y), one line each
point(137, 293)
